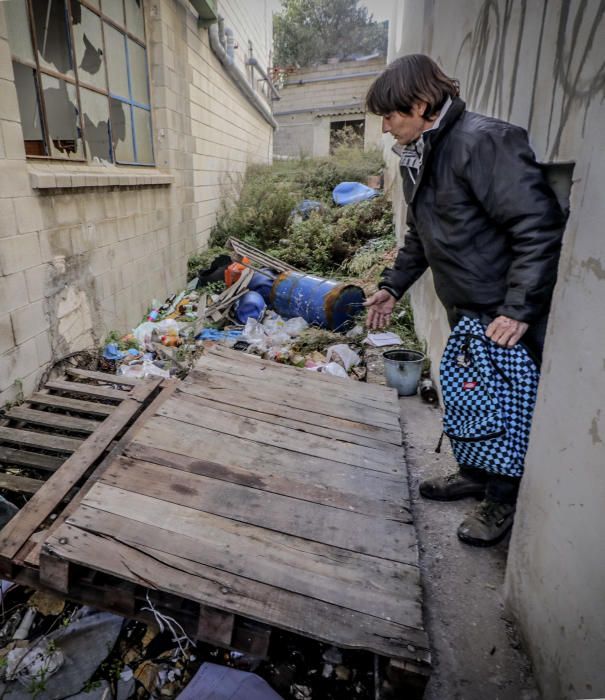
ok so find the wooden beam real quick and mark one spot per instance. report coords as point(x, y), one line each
point(65, 403)
point(52, 420)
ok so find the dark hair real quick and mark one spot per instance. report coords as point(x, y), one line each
point(410, 79)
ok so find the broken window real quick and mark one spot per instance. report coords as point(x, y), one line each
point(82, 79)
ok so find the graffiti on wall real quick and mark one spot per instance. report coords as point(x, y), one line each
point(492, 52)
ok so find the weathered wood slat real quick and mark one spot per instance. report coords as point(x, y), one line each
point(100, 392)
point(353, 392)
point(23, 458)
point(186, 409)
point(16, 533)
point(54, 443)
point(154, 569)
point(53, 420)
point(32, 557)
point(299, 419)
point(348, 530)
point(374, 392)
point(339, 485)
point(271, 390)
point(19, 484)
point(354, 581)
point(101, 376)
point(74, 405)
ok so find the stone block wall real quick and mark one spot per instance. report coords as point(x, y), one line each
point(85, 248)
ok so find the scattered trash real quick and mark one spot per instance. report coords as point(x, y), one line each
point(29, 666)
point(111, 352)
point(213, 334)
point(47, 603)
point(349, 358)
point(303, 211)
point(213, 682)
point(7, 510)
point(428, 392)
point(351, 193)
point(379, 340)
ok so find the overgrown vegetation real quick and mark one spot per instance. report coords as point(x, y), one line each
point(262, 215)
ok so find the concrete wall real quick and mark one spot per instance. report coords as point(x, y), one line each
point(541, 65)
point(313, 98)
point(83, 248)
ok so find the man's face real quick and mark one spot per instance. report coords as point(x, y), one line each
point(406, 128)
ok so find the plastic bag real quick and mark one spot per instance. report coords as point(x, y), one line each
point(295, 326)
point(143, 369)
point(348, 357)
point(143, 334)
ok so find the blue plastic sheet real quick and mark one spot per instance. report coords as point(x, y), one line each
point(351, 193)
point(213, 682)
point(213, 334)
point(111, 352)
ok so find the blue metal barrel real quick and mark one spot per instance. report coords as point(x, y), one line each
point(325, 303)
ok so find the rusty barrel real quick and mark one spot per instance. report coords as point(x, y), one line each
point(325, 303)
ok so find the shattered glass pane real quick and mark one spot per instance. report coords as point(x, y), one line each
point(62, 118)
point(115, 47)
point(29, 110)
point(50, 26)
point(95, 115)
point(19, 37)
point(138, 72)
point(88, 42)
point(134, 18)
point(142, 130)
point(114, 9)
point(121, 131)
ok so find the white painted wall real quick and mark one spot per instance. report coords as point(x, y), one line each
point(542, 65)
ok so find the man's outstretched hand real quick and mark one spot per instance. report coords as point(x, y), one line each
point(380, 307)
point(506, 331)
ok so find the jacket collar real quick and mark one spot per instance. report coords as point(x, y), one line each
point(433, 136)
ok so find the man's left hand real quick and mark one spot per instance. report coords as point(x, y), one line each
point(506, 331)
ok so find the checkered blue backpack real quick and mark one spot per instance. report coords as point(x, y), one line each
point(489, 394)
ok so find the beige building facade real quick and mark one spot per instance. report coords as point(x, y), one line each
point(123, 124)
point(541, 65)
point(317, 102)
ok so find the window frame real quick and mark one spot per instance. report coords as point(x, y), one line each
point(78, 83)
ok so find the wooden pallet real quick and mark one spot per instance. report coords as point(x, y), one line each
point(251, 496)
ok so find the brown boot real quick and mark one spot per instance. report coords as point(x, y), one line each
point(451, 487)
point(488, 524)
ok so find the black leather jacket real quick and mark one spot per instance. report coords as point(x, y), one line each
point(482, 216)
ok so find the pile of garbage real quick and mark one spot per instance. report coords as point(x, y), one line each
point(251, 302)
point(52, 649)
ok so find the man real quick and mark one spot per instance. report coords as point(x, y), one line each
point(481, 215)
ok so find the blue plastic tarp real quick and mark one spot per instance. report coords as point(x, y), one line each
point(351, 193)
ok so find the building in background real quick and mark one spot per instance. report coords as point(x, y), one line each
point(123, 124)
point(319, 102)
point(541, 65)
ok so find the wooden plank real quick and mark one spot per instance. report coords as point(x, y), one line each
point(29, 438)
point(74, 405)
point(387, 539)
point(82, 389)
point(265, 463)
point(354, 581)
point(53, 420)
point(351, 391)
point(32, 557)
point(251, 407)
point(23, 458)
point(54, 572)
point(320, 402)
point(215, 626)
point(15, 534)
point(266, 604)
point(351, 488)
point(264, 259)
point(187, 409)
point(102, 376)
point(375, 392)
point(19, 484)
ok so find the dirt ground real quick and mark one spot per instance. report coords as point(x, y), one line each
point(476, 654)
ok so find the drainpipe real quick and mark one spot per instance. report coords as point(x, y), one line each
point(255, 64)
point(225, 55)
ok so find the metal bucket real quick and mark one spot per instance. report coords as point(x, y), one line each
point(402, 369)
point(325, 303)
